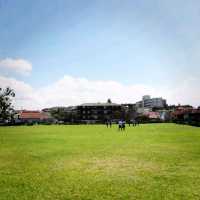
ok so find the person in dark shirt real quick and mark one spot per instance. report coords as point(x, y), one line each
point(107, 123)
point(110, 123)
point(123, 125)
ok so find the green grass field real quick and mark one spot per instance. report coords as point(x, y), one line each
point(155, 161)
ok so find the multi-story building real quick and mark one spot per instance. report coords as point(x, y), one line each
point(98, 112)
point(149, 103)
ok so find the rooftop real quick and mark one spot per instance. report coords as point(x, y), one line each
point(100, 104)
point(33, 115)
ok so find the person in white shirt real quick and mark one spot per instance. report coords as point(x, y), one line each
point(120, 125)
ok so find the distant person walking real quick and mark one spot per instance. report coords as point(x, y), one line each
point(120, 125)
point(134, 122)
point(123, 125)
point(107, 123)
point(110, 123)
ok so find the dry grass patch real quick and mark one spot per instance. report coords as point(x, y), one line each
point(110, 166)
point(123, 164)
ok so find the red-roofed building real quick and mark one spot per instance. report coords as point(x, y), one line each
point(26, 116)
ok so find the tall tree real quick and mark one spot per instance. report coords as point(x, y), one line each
point(6, 108)
point(109, 101)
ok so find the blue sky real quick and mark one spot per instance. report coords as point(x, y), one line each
point(132, 42)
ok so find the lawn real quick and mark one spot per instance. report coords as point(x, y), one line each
point(154, 161)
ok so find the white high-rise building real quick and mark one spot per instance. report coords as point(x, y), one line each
point(148, 102)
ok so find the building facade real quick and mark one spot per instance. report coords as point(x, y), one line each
point(148, 102)
point(98, 112)
point(29, 117)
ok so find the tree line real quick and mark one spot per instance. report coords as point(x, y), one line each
point(6, 108)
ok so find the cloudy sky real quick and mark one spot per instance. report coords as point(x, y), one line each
point(66, 52)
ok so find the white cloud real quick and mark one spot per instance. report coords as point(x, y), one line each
point(72, 91)
point(185, 92)
point(21, 66)
point(24, 92)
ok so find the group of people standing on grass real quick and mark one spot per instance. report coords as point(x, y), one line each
point(135, 122)
point(122, 124)
point(109, 123)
